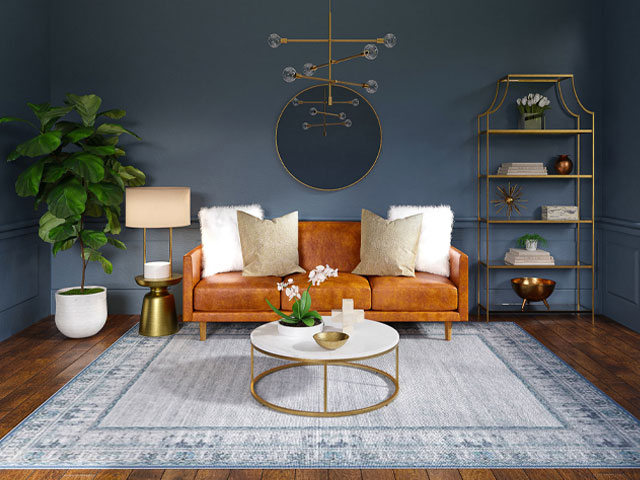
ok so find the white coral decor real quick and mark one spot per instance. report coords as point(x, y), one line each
point(321, 273)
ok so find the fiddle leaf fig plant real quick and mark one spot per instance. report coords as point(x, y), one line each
point(73, 167)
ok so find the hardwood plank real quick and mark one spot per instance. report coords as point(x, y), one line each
point(608, 474)
point(179, 474)
point(443, 474)
point(278, 474)
point(543, 474)
point(311, 474)
point(474, 474)
point(245, 474)
point(15, 474)
point(509, 474)
point(377, 474)
point(575, 474)
point(47, 475)
point(214, 474)
point(146, 475)
point(344, 474)
point(410, 474)
point(115, 474)
point(79, 476)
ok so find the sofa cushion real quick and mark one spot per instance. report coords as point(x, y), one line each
point(230, 291)
point(333, 243)
point(422, 293)
point(329, 295)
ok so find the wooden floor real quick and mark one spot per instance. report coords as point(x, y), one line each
point(35, 363)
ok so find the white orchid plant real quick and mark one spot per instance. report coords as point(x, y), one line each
point(302, 315)
point(533, 103)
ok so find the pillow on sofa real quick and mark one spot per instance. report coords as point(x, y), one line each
point(219, 237)
point(269, 247)
point(435, 236)
point(388, 247)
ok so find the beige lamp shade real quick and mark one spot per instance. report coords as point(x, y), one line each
point(158, 207)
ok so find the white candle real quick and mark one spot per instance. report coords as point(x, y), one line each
point(157, 270)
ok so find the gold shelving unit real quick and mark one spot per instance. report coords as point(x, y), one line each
point(485, 222)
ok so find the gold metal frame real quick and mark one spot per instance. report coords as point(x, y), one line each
point(144, 248)
point(298, 362)
point(361, 97)
point(486, 221)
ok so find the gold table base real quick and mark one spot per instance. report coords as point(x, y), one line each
point(325, 364)
point(158, 317)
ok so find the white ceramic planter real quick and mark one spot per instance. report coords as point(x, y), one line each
point(80, 316)
point(301, 333)
point(531, 245)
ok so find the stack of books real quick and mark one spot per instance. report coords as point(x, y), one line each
point(520, 256)
point(522, 168)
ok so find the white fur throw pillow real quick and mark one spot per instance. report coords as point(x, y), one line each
point(221, 250)
point(435, 236)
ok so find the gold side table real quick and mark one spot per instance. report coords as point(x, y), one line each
point(158, 317)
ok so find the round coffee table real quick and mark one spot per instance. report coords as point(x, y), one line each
point(369, 339)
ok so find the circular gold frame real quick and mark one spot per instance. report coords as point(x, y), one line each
point(329, 189)
point(304, 363)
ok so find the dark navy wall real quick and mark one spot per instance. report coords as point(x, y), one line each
point(621, 196)
point(204, 90)
point(24, 262)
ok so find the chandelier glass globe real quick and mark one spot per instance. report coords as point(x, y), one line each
point(274, 40)
point(390, 40)
point(371, 86)
point(289, 74)
point(313, 111)
point(306, 126)
point(348, 123)
point(295, 102)
point(370, 51)
point(342, 116)
point(355, 102)
point(309, 69)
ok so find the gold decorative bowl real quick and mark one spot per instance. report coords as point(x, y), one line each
point(532, 289)
point(331, 340)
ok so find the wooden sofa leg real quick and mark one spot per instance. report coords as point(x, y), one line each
point(203, 331)
point(447, 331)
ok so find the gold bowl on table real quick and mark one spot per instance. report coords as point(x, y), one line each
point(532, 289)
point(331, 340)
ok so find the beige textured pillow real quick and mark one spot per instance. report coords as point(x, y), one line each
point(388, 247)
point(269, 247)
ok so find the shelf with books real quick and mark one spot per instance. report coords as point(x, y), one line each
point(583, 177)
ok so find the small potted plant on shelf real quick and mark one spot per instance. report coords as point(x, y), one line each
point(303, 322)
point(530, 241)
point(75, 170)
point(532, 108)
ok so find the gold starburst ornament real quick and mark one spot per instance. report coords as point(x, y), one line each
point(510, 198)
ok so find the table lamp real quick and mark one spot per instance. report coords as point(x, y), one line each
point(158, 207)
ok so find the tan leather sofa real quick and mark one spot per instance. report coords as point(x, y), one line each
point(230, 297)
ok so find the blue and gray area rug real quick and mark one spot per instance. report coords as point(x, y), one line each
point(492, 397)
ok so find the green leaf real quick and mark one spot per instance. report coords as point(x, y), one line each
point(67, 199)
point(28, 182)
point(106, 265)
point(47, 114)
point(40, 145)
point(91, 255)
point(13, 156)
point(113, 222)
point(305, 302)
point(78, 134)
point(114, 129)
point(107, 193)
point(93, 238)
point(296, 309)
point(115, 178)
point(101, 151)
point(132, 176)
point(53, 173)
point(314, 314)
point(114, 113)
point(93, 209)
point(63, 232)
point(119, 152)
point(309, 322)
point(67, 127)
point(64, 245)
point(16, 119)
point(284, 316)
point(47, 222)
point(86, 166)
point(117, 243)
point(292, 321)
point(87, 107)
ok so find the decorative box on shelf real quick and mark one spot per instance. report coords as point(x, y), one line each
point(560, 212)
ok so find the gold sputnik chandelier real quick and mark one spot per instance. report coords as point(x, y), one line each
point(369, 52)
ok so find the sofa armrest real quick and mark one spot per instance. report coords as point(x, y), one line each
point(459, 266)
point(191, 275)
